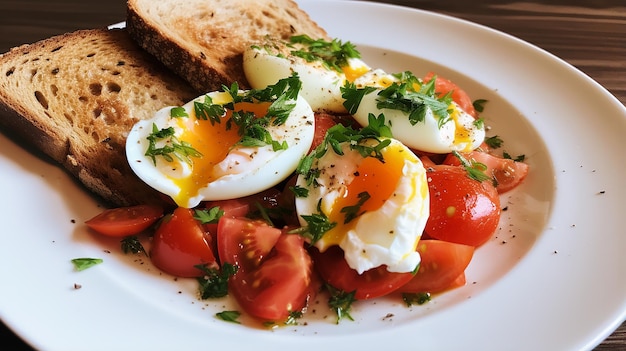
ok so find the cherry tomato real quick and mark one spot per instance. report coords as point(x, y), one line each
point(462, 210)
point(375, 282)
point(442, 267)
point(507, 172)
point(274, 276)
point(444, 86)
point(180, 243)
point(125, 221)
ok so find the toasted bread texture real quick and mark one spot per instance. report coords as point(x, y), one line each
point(203, 41)
point(76, 96)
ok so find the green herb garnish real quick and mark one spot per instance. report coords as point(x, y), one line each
point(131, 244)
point(415, 298)
point(354, 211)
point(229, 316)
point(341, 302)
point(475, 170)
point(83, 263)
point(182, 150)
point(333, 54)
point(214, 282)
point(207, 216)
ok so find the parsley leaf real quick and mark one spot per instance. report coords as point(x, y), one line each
point(229, 316)
point(180, 149)
point(340, 302)
point(353, 211)
point(415, 298)
point(317, 225)
point(207, 216)
point(494, 142)
point(479, 105)
point(475, 170)
point(214, 282)
point(333, 54)
point(83, 263)
point(131, 244)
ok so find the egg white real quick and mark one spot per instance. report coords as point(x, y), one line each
point(244, 171)
point(385, 236)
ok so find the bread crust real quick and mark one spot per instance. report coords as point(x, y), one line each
point(203, 41)
point(74, 97)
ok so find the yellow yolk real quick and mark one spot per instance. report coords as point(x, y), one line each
point(461, 134)
point(214, 141)
point(376, 178)
point(353, 73)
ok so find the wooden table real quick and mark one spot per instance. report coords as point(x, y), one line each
point(589, 34)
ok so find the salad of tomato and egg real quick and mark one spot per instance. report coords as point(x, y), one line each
point(326, 176)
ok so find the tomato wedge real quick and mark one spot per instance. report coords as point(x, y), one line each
point(274, 270)
point(180, 243)
point(462, 210)
point(376, 282)
point(507, 172)
point(442, 267)
point(125, 221)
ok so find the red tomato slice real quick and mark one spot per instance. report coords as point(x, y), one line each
point(442, 268)
point(375, 282)
point(274, 276)
point(125, 221)
point(507, 172)
point(444, 86)
point(180, 243)
point(462, 210)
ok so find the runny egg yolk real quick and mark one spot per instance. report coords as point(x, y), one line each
point(214, 141)
point(354, 72)
point(378, 179)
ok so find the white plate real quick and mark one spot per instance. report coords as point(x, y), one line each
point(553, 277)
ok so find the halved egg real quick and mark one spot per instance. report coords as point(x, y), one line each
point(216, 148)
point(444, 127)
point(323, 67)
point(379, 205)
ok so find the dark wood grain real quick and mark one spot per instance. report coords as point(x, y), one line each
point(591, 35)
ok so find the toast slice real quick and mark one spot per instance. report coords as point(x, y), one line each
point(75, 96)
point(203, 41)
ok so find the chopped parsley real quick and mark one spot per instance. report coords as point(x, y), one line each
point(83, 263)
point(317, 225)
point(479, 105)
point(214, 282)
point(340, 302)
point(475, 170)
point(409, 95)
point(182, 150)
point(132, 245)
point(333, 54)
point(229, 316)
point(354, 211)
point(494, 142)
point(411, 299)
point(293, 317)
point(208, 216)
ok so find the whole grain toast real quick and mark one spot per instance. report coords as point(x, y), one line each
point(75, 97)
point(203, 41)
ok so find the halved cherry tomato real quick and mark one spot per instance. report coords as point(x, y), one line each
point(375, 282)
point(442, 267)
point(125, 221)
point(274, 276)
point(180, 243)
point(444, 86)
point(462, 210)
point(507, 172)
